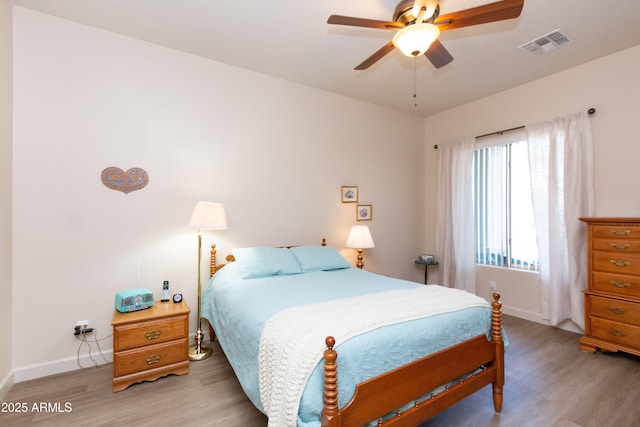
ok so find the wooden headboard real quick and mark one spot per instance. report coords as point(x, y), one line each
point(214, 266)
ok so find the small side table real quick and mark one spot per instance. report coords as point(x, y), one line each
point(150, 343)
point(426, 267)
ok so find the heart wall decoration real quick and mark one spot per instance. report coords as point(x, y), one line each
point(125, 181)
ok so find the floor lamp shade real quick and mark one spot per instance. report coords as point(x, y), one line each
point(206, 216)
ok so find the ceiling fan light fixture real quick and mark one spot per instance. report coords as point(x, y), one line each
point(414, 40)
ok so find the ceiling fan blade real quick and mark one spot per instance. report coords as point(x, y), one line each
point(492, 12)
point(438, 54)
point(375, 57)
point(362, 22)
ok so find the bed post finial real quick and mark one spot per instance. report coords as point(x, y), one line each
point(212, 263)
point(496, 318)
point(330, 408)
point(324, 242)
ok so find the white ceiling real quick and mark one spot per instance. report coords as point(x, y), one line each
point(290, 39)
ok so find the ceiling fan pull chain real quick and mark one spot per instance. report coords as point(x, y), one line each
point(415, 84)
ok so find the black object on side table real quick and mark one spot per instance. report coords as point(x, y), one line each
point(426, 267)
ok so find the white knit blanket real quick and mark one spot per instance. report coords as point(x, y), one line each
point(292, 341)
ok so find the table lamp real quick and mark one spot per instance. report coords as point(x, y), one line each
point(359, 239)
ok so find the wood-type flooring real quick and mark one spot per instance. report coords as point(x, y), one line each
point(549, 382)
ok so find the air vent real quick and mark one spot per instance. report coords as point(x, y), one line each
point(546, 43)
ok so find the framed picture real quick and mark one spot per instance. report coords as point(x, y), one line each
point(364, 212)
point(349, 194)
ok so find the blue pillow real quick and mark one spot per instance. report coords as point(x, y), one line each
point(316, 258)
point(265, 262)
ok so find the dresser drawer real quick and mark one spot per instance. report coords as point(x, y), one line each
point(149, 357)
point(622, 263)
point(617, 284)
point(616, 245)
point(615, 231)
point(150, 332)
point(620, 333)
point(616, 310)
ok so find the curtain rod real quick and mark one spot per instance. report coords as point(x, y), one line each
point(500, 132)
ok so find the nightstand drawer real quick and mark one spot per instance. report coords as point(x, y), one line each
point(151, 356)
point(150, 332)
point(611, 331)
point(616, 310)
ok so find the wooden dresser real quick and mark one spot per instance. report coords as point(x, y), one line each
point(612, 301)
point(149, 344)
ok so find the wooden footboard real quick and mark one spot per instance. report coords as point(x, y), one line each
point(385, 393)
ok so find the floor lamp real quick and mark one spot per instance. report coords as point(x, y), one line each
point(359, 239)
point(206, 216)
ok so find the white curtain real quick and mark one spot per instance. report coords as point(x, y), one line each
point(561, 163)
point(455, 234)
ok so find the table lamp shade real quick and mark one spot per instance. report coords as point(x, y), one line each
point(208, 216)
point(360, 238)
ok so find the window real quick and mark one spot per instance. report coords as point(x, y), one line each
point(504, 224)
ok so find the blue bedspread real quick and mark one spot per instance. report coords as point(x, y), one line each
point(238, 309)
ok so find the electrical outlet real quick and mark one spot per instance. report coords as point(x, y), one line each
point(492, 285)
point(82, 327)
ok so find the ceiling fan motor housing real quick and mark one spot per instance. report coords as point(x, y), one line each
point(402, 13)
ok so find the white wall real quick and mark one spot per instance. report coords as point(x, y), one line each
point(6, 100)
point(610, 85)
point(275, 153)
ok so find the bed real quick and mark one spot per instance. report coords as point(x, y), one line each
point(406, 351)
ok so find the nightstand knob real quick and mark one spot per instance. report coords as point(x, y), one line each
point(153, 335)
point(154, 358)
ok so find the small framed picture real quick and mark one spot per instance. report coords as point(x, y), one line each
point(349, 194)
point(364, 212)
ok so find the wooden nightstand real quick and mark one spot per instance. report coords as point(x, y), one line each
point(149, 344)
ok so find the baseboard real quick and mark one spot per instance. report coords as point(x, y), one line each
point(39, 370)
point(567, 325)
point(70, 364)
point(6, 384)
point(31, 372)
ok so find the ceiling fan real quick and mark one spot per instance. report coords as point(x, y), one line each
point(418, 24)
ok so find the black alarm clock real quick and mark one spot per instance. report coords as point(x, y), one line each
point(177, 298)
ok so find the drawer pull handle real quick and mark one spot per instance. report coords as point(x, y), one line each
point(617, 333)
point(153, 335)
point(621, 285)
point(621, 246)
point(154, 358)
point(620, 232)
point(619, 263)
point(616, 310)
